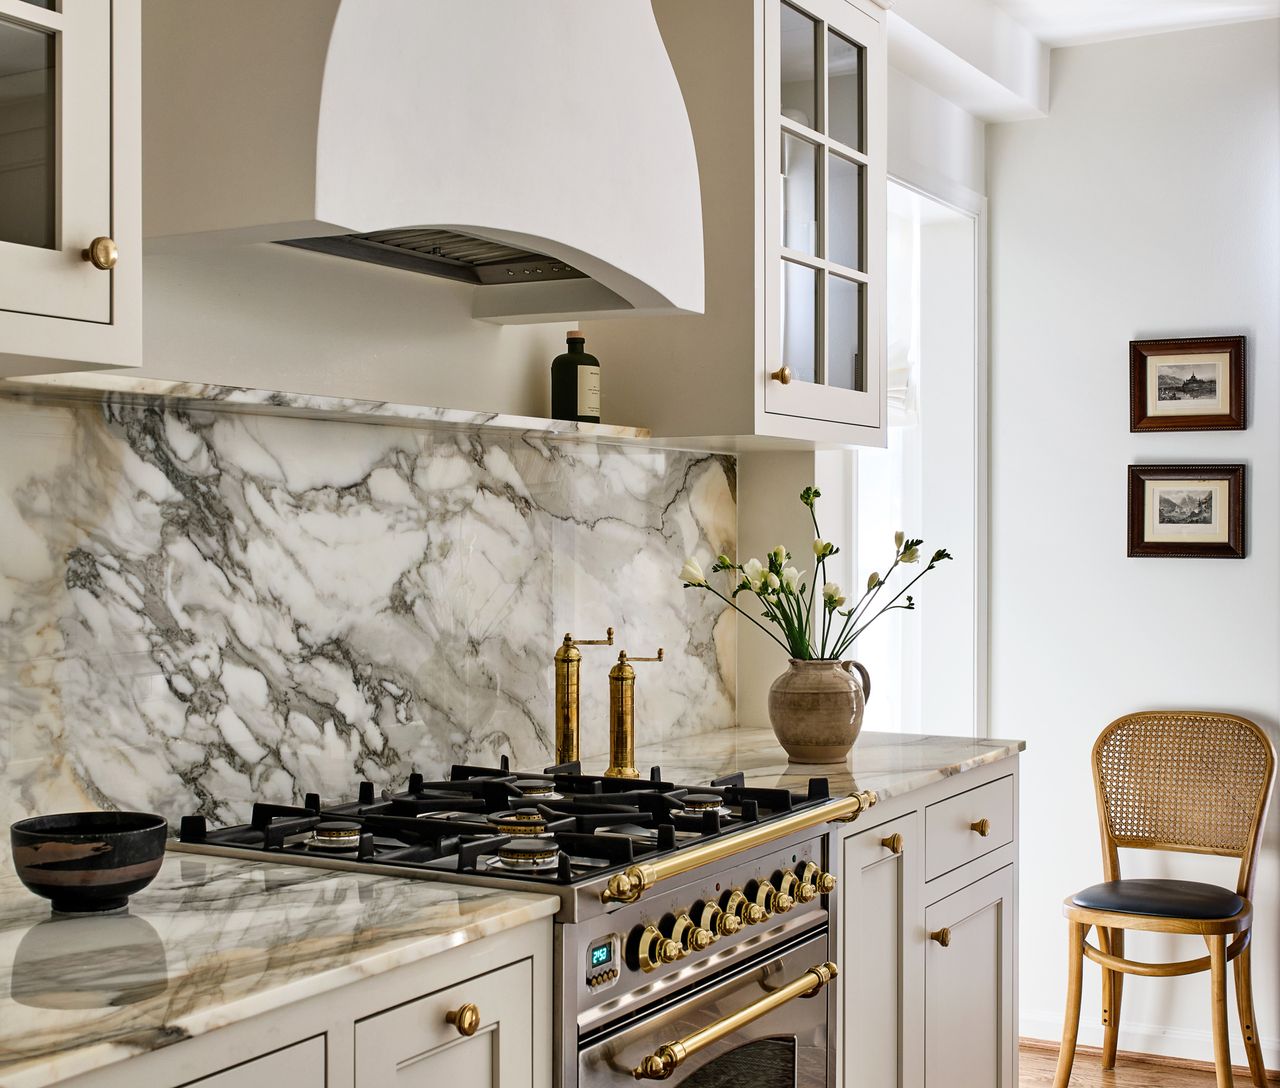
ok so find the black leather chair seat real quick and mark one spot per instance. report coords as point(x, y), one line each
point(1161, 898)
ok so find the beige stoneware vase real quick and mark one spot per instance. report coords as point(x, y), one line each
point(816, 709)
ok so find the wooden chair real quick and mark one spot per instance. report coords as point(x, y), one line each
point(1173, 780)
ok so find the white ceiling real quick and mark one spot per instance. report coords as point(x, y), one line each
point(1074, 22)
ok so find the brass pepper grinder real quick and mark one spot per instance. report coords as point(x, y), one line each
point(622, 717)
point(568, 669)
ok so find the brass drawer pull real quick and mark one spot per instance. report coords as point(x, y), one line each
point(893, 843)
point(466, 1018)
point(982, 827)
point(102, 253)
point(782, 375)
point(667, 1058)
point(942, 936)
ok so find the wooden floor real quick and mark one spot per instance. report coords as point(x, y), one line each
point(1037, 1063)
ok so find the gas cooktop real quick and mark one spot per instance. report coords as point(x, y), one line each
point(557, 827)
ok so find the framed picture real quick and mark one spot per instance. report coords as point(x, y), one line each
point(1194, 384)
point(1187, 511)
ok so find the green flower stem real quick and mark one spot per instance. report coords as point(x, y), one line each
point(711, 588)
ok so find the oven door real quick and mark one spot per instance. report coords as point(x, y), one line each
point(763, 1024)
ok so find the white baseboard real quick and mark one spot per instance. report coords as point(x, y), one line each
point(1147, 1039)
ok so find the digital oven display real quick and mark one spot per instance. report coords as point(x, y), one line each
point(601, 954)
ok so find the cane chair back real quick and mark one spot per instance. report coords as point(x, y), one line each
point(1183, 780)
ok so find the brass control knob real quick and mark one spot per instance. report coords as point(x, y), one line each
point(764, 895)
point(739, 906)
point(715, 921)
point(466, 1018)
point(825, 883)
point(688, 935)
point(653, 950)
point(788, 892)
point(806, 893)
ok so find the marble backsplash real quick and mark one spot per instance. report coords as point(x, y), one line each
point(201, 607)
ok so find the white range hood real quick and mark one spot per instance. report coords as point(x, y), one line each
point(537, 148)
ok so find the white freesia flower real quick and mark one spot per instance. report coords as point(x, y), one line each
point(790, 579)
point(832, 596)
point(779, 555)
point(771, 580)
point(691, 572)
point(898, 538)
point(823, 548)
point(911, 555)
point(753, 570)
point(873, 581)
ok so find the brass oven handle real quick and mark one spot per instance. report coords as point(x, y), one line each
point(466, 1018)
point(630, 884)
point(667, 1058)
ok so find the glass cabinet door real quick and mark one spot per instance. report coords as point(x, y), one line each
point(826, 181)
point(55, 156)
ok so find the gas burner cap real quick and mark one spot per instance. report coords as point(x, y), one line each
point(528, 854)
point(535, 787)
point(519, 821)
point(703, 802)
point(336, 835)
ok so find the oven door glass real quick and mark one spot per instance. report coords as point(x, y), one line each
point(787, 1047)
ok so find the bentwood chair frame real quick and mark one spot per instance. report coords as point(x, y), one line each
point(1187, 781)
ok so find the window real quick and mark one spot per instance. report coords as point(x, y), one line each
point(928, 667)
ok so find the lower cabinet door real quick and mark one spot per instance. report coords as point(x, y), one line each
point(478, 1033)
point(881, 958)
point(969, 963)
point(301, 1064)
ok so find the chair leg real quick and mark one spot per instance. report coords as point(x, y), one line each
point(1111, 941)
point(1071, 1018)
point(1221, 1042)
point(1244, 1003)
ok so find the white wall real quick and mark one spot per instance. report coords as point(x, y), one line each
point(272, 317)
point(1145, 204)
point(934, 144)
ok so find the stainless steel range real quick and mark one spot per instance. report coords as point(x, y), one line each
point(692, 940)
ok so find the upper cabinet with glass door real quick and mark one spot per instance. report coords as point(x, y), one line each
point(70, 190)
point(787, 103)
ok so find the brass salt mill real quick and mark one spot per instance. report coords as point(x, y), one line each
point(622, 716)
point(568, 670)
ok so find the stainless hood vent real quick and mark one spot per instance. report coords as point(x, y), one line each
point(444, 253)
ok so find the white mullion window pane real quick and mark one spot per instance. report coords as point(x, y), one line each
point(845, 204)
point(28, 155)
point(799, 195)
point(799, 38)
point(800, 316)
point(846, 359)
point(844, 90)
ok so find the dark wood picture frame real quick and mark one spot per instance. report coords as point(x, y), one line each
point(1142, 414)
point(1232, 548)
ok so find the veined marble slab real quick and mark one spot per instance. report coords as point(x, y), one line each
point(891, 764)
point(212, 942)
point(199, 608)
point(122, 388)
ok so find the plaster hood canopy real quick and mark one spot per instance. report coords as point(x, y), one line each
point(540, 151)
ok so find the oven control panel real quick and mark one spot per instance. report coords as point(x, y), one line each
point(604, 961)
point(689, 929)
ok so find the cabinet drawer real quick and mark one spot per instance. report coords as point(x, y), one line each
point(415, 1045)
point(950, 838)
point(301, 1064)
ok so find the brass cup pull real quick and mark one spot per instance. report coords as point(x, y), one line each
point(782, 375)
point(667, 1058)
point(982, 827)
point(942, 936)
point(466, 1018)
point(102, 253)
point(892, 843)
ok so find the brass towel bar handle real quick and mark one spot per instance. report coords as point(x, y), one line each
point(667, 1058)
point(630, 884)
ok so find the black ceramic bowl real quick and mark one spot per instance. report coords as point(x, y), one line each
point(88, 862)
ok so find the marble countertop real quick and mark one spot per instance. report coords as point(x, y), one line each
point(891, 764)
point(212, 941)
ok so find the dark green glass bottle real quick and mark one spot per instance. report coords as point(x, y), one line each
point(575, 382)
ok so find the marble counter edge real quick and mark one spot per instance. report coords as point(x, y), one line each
point(1000, 749)
point(196, 396)
point(515, 909)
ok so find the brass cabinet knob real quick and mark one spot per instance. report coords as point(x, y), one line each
point(942, 936)
point(982, 827)
point(102, 253)
point(892, 843)
point(782, 375)
point(466, 1018)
